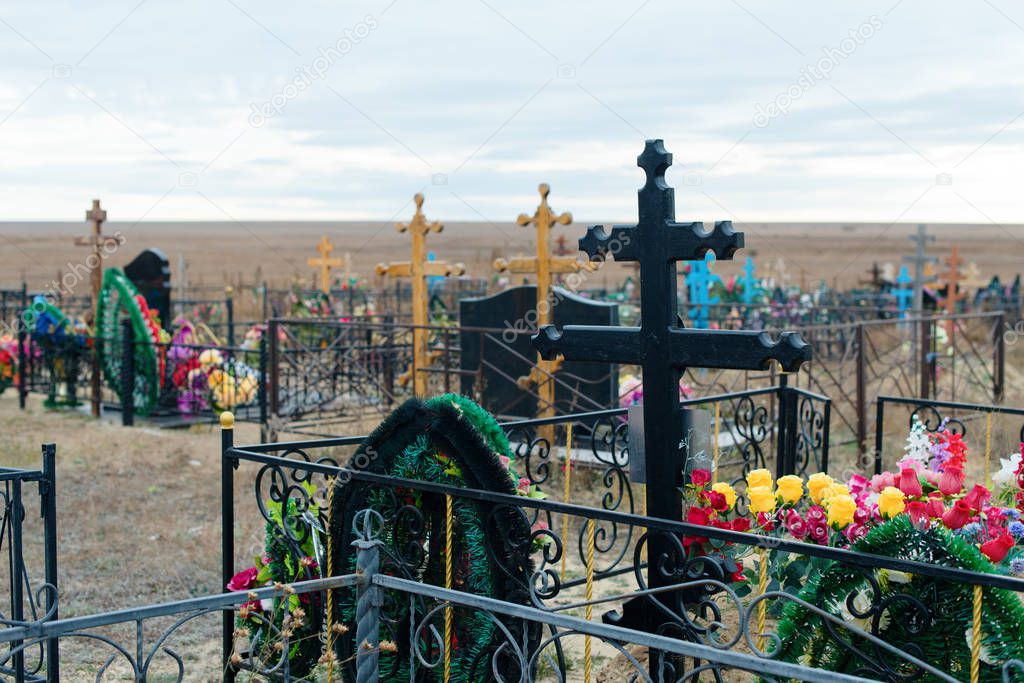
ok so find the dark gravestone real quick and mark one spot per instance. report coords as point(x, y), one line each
point(150, 272)
point(493, 362)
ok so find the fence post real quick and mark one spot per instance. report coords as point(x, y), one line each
point(369, 601)
point(925, 351)
point(261, 391)
point(48, 511)
point(127, 373)
point(22, 355)
point(879, 430)
point(227, 533)
point(999, 359)
point(17, 575)
point(786, 459)
point(229, 313)
point(862, 398)
point(273, 377)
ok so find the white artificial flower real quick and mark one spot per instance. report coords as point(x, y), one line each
point(1008, 469)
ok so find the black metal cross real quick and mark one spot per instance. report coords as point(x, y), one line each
point(661, 346)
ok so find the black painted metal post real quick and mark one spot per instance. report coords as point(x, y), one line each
point(879, 433)
point(17, 575)
point(925, 351)
point(23, 363)
point(785, 457)
point(271, 384)
point(229, 314)
point(261, 392)
point(265, 303)
point(48, 510)
point(825, 436)
point(127, 373)
point(862, 400)
point(999, 358)
point(227, 532)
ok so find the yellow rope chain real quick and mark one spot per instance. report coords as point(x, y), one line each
point(448, 536)
point(976, 637)
point(565, 495)
point(762, 588)
point(590, 596)
point(330, 592)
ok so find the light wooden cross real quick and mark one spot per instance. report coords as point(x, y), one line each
point(325, 263)
point(419, 269)
point(544, 265)
point(952, 279)
point(97, 241)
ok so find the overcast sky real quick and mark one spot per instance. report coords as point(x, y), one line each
point(220, 109)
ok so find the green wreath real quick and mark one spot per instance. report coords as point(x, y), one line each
point(448, 440)
point(938, 635)
point(118, 299)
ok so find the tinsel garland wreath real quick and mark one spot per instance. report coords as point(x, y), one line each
point(925, 617)
point(448, 440)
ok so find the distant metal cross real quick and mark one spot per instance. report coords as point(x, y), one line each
point(904, 291)
point(751, 286)
point(98, 242)
point(419, 269)
point(544, 265)
point(952, 279)
point(661, 346)
point(876, 276)
point(325, 263)
point(699, 281)
point(920, 261)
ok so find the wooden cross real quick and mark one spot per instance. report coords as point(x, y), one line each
point(544, 265)
point(96, 241)
point(953, 293)
point(325, 263)
point(661, 346)
point(419, 269)
point(876, 276)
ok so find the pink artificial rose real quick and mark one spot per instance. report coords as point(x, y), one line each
point(880, 482)
point(816, 515)
point(795, 525)
point(243, 580)
point(819, 533)
point(932, 477)
point(858, 484)
point(505, 461)
point(854, 532)
point(910, 463)
point(958, 515)
point(935, 507)
point(524, 485)
point(909, 483)
point(918, 511)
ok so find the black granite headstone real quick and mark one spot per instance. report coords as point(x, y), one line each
point(492, 362)
point(150, 272)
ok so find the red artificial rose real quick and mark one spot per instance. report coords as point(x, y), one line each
point(243, 580)
point(935, 507)
point(957, 516)
point(741, 524)
point(766, 521)
point(977, 497)
point(816, 514)
point(918, 511)
point(997, 549)
point(699, 515)
point(700, 478)
point(796, 525)
point(952, 480)
point(717, 500)
point(909, 483)
point(819, 533)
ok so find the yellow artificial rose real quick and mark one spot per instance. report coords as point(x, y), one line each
point(727, 491)
point(790, 488)
point(762, 499)
point(840, 511)
point(833, 490)
point(816, 485)
point(759, 478)
point(891, 501)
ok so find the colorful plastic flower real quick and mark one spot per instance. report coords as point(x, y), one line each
point(891, 502)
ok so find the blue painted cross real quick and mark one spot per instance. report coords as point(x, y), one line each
point(700, 280)
point(751, 285)
point(904, 293)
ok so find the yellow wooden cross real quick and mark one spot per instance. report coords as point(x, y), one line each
point(96, 241)
point(325, 263)
point(953, 294)
point(544, 265)
point(419, 269)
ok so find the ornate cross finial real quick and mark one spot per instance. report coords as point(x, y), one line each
point(325, 263)
point(418, 269)
point(97, 242)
